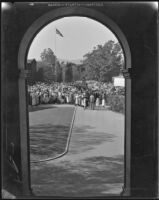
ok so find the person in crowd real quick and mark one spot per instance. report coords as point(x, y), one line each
point(29, 98)
point(92, 101)
point(84, 102)
point(82, 99)
point(71, 98)
point(67, 99)
point(106, 98)
point(46, 97)
point(100, 99)
point(97, 102)
point(79, 99)
point(76, 99)
point(33, 95)
point(87, 98)
point(103, 100)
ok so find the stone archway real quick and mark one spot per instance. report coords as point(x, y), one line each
point(23, 50)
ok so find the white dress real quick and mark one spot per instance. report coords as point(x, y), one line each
point(97, 102)
point(67, 99)
point(84, 102)
point(103, 102)
point(76, 99)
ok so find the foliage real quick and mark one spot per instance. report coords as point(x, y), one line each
point(47, 56)
point(68, 72)
point(48, 61)
point(58, 72)
point(48, 73)
point(101, 64)
point(104, 62)
point(117, 103)
point(45, 72)
point(119, 90)
point(39, 75)
point(76, 72)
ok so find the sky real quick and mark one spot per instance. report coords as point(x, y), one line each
point(81, 35)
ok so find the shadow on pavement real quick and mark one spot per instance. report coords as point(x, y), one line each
point(90, 133)
point(86, 138)
point(47, 140)
point(40, 107)
point(94, 176)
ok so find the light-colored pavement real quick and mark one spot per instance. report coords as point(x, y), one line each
point(94, 164)
point(96, 133)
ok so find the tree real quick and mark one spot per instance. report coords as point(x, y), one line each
point(103, 62)
point(68, 72)
point(48, 74)
point(53, 69)
point(48, 56)
point(45, 72)
point(75, 72)
point(58, 72)
point(39, 75)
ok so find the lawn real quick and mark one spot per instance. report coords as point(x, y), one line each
point(48, 130)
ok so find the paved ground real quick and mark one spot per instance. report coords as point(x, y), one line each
point(93, 165)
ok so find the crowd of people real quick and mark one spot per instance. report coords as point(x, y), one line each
point(94, 95)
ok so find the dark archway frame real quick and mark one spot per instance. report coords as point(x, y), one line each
point(22, 56)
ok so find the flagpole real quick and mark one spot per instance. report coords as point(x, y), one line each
point(59, 33)
point(55, 56)
point(55, 39)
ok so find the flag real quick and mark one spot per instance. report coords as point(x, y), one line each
point(58, 32)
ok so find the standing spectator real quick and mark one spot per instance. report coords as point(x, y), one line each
point(92, 102)
point(67, 98)
point(29, 98)
point(84, 102)
point(76, 99)
point(79, 99)
point(71, 98)
point(106, 98)
point(103, 100)
point(33, 99)
point(97, 102)
point(100, 98)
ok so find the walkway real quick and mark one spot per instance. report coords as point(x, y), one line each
point(93, 165)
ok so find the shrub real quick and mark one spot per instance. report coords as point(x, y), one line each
point(117, 103)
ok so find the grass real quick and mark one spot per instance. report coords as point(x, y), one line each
point(47, 139)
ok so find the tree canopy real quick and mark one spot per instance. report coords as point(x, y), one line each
point(103, 62)
point(48, 56)
point(68, 72)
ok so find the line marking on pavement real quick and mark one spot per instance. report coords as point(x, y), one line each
point(67, 145)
